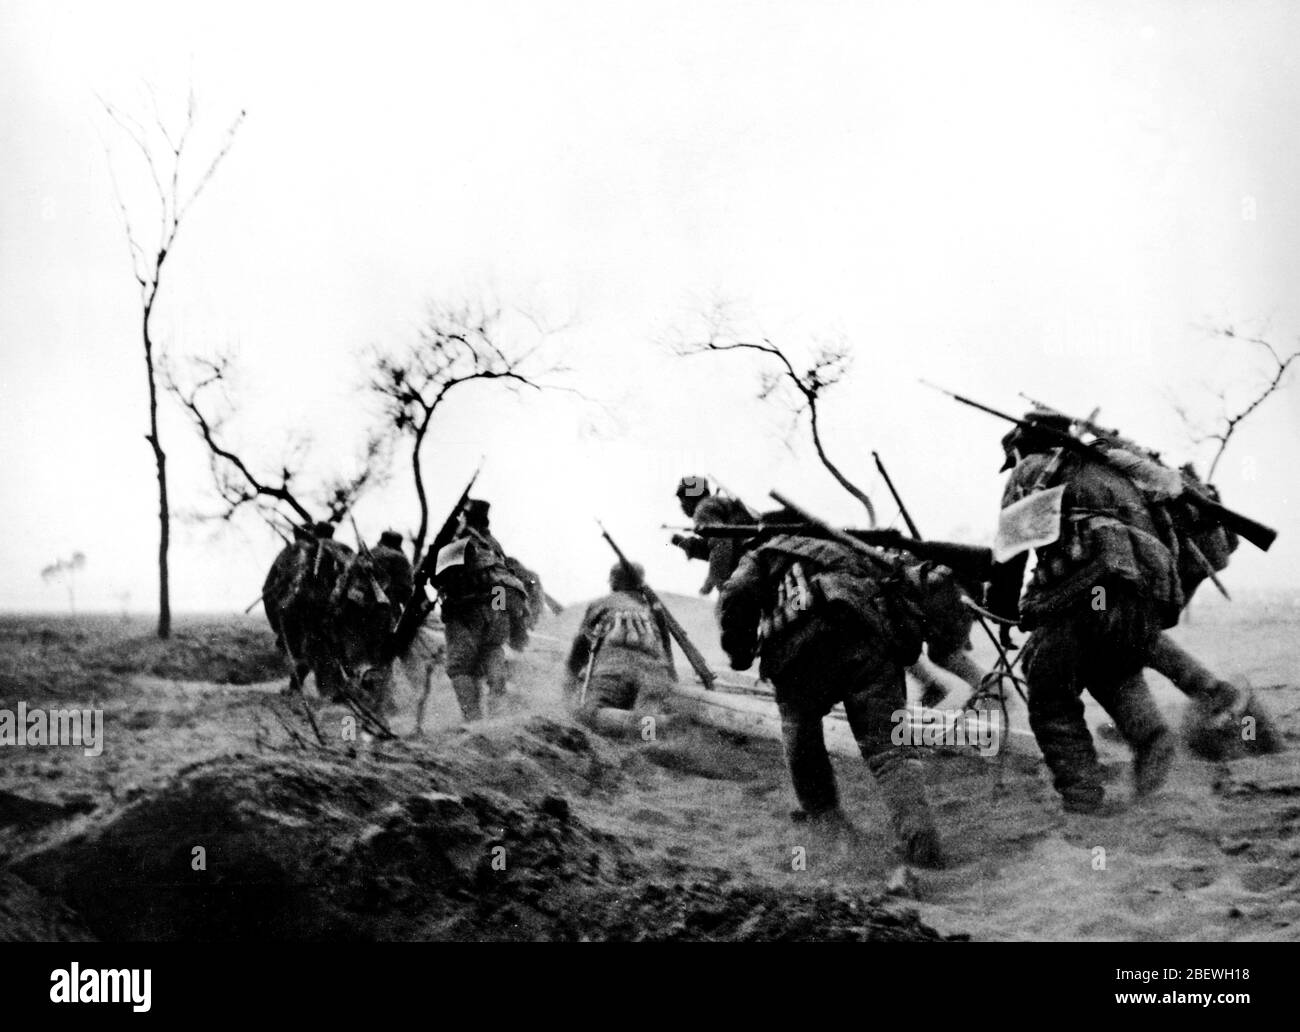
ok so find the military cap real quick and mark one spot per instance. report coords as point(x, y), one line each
point(1024, 439)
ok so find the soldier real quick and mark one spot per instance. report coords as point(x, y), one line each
point(949, 644)
point(394, 571)
point(1104, 587)
point(286, 582)
point(475, 585)
point(618, 669)
point(825, 620)
point(704, 506)
point(1218, 707)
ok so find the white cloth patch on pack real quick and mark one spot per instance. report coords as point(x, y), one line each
point(451, 555)
point(1032, 522)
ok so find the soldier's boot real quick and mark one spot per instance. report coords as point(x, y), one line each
point(1131, 707)
point(467, 695)
point(1267, 735)
point(903, 787)
point(497, 697)
point(1223, 720)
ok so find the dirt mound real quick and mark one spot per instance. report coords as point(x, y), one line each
point(28, 916)
point(751, 913)
point(475, 838)
point(63, 657)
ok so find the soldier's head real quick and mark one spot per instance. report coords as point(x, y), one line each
point(391, 539)
point(323, 530)
point(476, 513)
point(302, 533)
point(1022, 440)
point(690, 492)
point(623, 579)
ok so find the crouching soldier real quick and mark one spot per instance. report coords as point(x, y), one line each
point(618, 667)
point(824, 620)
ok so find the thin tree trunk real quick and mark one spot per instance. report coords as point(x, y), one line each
point(160, 460)
point(834, 471)
point(418, 548)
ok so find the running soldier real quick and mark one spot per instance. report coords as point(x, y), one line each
point(480, 601)
point(1104, 587)
point(704, 506)
point(618, 668)
point(1201, 546)
point(948, 645)
point(826, 622)
point(394, 571)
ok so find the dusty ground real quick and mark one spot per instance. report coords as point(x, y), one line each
point(529, 827)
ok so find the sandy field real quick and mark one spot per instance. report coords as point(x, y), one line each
point(203, 819)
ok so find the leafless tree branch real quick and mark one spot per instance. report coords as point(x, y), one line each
point(238, 484)
point(1230, 418)
point(828, 366)
point(456, 345)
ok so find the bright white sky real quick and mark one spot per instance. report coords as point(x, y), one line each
point(1048, 197)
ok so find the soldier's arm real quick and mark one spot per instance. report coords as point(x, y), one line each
point(739, 610)
point(721, 561)
point(694, 547)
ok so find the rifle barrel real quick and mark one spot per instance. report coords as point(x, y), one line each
point(678, 632)
point(1259, 535)
point(898, 500)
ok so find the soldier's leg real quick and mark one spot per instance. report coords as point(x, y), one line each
point(933, 688)
point(958, 661)
point(879, 693)
point(607, 705)
point(467, 692)
point(492, 656)
point(494, 671)
point(298, 678)
point(1126, 633)
point(1223, 719)
point(462, 657)
point(1052, 661)
point(1131, 707)
point(807, 760)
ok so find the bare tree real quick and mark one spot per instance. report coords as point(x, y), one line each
point(163, 152)
point(801, 389)
point(454, 346)
point(1229, 420)
point(275, 496)
point(66, 571)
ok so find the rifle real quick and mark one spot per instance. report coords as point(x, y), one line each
point(971, 563)
point(1115, 439)
point(1090, 425)
point(902, 509)
point(1256, 533)
point(674, 628)
point(592, 648)
point(418, 607)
